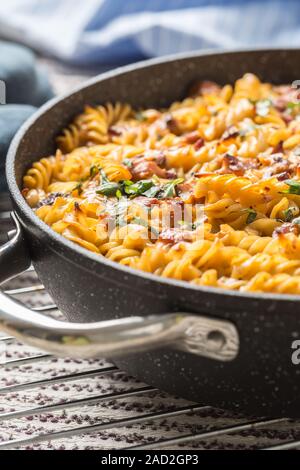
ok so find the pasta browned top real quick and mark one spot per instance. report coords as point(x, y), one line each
point(206, 191)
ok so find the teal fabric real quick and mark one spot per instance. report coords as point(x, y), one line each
point(25, 83)
point(12, 117)
point(43, 90)
point(26, 88)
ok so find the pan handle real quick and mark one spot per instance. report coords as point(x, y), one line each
point(197, 334)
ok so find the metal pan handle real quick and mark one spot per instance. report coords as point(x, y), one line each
point(200, 335)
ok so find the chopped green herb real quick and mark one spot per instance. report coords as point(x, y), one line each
point(288, 215)
point(291, 105)
point(155, 179)
point(127, 162)
point(169, 189)
point(294, 187)
point(152, 192)
point(188, 225)
point(262, 107)
point(147, 188)
point(78, 187)
point(252, 214)
point(140, 117)
point(118, 211)
point(108, 189)
point(137, 189)
point(104, 178)
point(127, 182)
point(118, 194)
point(197, 224)
point(94, 170)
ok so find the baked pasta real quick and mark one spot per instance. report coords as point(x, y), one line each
point(205, 191)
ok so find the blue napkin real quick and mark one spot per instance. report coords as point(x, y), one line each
point(117, 31)
point(23, 87)
point(24, 81)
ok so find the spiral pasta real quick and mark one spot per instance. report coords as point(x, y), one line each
point(206, 191)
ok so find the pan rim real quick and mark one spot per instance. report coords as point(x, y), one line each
point(69, 246)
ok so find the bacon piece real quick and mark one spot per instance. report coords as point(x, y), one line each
point(285, 175)
point(287, 94)
point(147, 201)
point(199, 144)
point(231, 164)
point(149, 164)
point(280, 104)
point(184, 187)
point(145, 169)
point(172, 235)
point(192, 137)
point(278, 148)
point(230, 133)
point(203, 88)
point(114, 132)
point(172, 124)
point(286, 117)
point(288, 227)
point(278, 165)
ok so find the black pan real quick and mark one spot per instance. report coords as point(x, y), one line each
point(227, 349)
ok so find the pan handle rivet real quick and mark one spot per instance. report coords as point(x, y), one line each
point(216, 340)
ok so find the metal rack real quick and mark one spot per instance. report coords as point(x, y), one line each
point(116, 411)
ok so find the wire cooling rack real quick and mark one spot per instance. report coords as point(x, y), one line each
point(51, 403)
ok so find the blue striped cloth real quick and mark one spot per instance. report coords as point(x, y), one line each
point(118, 31)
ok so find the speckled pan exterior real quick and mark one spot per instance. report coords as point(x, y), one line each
point(262, 380)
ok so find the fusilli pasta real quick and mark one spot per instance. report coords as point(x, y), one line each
point(206, 191)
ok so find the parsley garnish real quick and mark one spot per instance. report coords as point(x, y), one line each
point(108, 189)
point(290, 213)
point(118, 194)
point(78, 187)
point(152, 192)
point(94, 170)
point(294, 187)
point(292, 106)
point(169, 189)
point(252, 214)
point(148, 188)
point(140, 117)
point(137, 189)
point(127, 162)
